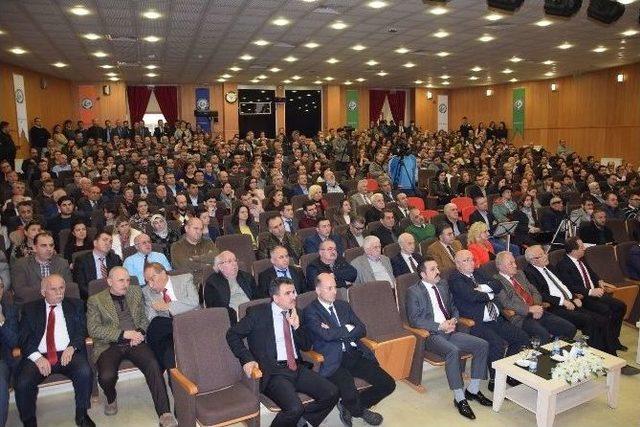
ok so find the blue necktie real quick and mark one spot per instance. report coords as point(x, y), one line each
point(333, 315)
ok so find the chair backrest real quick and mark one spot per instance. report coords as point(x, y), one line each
point(201, 348)
point(556, 255)
point(403, 283)
point(372, 185)
point(416, 202)
point(242, 308)
point(226, 223)
point(374, 303)
point(303, 233)
point(404, 223)
point(602, 260)
point(259, 266)
point(240, 244)
point(489, 269)
point(619, 229)
point(75, 255)
point(466, 213)
point(424, 245)
point(306, 259)
point(462, 202)
point(353, 253)
point(622, 253)
point(427, 214)
point(372, 226)
point(305, 299)
point(391, 250)
point(341, 230)
point(334, 199)
point(298, 200)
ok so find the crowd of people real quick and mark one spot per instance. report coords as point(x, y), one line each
point(131, 217)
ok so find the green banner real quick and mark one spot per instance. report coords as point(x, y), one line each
point(353, 106)
point(518, 111)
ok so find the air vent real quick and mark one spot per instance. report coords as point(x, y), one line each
point(326, 10)
point(282, 44)
point(125, 39)
point(499, 25)
point(257, 67)
point(128, 64)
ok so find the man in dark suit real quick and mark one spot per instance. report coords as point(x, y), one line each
point(330, 261)
point(387, 232)
point(407, 260)
point(597, 232)
point(335, 331)
point(9, 335)
point(92, 201)
point(280, 268)
point(354, 237)
point(95, 264)
point(475, 296)
point(375, 212)
point(479, 189)
point(279, 237)
point(451, 217)
point(142, 188)
point(564, 303)
point(552, 218)
point(323, 232)
point(229, 287)
point(582, 280)
point(52, 349)
point(275, 338)
point(430, 306)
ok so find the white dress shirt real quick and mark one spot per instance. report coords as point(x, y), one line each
point(60, 332)
point(589, 284)
point(487, 290)
point(279, 333)
point(553, 288)
point(438, 315)
point(348, 326)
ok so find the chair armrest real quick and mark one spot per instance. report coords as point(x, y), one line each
point(508, 313)
point(184, 382)
point(545, 305)
point(314, 356)
point(464, 321)
point(16, 353)
point(369, 343)
point(417, 331)
point(256, 374)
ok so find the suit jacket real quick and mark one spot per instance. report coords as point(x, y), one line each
point(477, 217)
point(84, 270)
point(289, 241)
point(296, 190)
point(329, 342)
point(34, 320)
point(471, 303)
point(589, 233)
point(511, 300)
point(186, 294)
point(103, 324)
point(441, 255)
point(269, 275)
point(420, 310)
point(84, 206)
point(537, 279)
point(373, 214)
point(572, 276)
point(26, 277)
point(312, 243)
point(350, 240)
point(342, 270)
point(385, 235)
point(401, 267)
point(633, 263)
point(151, 189)
point(9, 332)
point(462, 227)
point(257, 328)
point(365, 273)
point(475, 191)
point(218, 294)
point(357, 200)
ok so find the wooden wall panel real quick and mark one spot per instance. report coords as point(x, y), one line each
point(363, 108)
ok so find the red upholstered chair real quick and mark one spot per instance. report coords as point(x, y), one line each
point(428, 214)
point(466, 213)
point(462, 202)
point(372, 185)
point(416, 202)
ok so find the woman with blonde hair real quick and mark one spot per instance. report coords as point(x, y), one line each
point(315, 194)
point(479, 245)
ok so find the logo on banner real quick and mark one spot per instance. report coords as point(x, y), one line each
point(352, 105)
point(442, 108)
point(19, 96)
point(518, 104)
point(86, 103)
point(202, 104)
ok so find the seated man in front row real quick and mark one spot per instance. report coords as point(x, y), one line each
point(336, 330)
point(430, 306)
point(276, 326)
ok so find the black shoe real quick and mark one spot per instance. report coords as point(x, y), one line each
point(513, 382)
point(629, 370)
point(464, 409)
point(478, 397)
point(371, 418)
point(345, 415)
point(622, 347)
point(491, 385)
point(84, 421)
point(31, 422)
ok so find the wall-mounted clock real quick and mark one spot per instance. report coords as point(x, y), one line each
point(231, 97)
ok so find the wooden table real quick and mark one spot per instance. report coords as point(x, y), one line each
point(546, 398)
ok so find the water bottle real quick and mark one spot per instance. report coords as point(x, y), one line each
point(556, 347)
point(533, 363)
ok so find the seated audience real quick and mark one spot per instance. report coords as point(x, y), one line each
point(478, 244)
point(192, 252)
point(95, 264)
point(344, 215)
point(375, 212)
point(597, 232)
point(26, 247)
point(551, 221)
point(136, 263)
point(452, 217)
point(372, 265)
point(611, 207)
point(281, 267)
point(354, 237)
point(632, 210)
point(330, 261)
point(229, 286)
point(419, 228)
point(443, 251)
point(504, 207)
point(323, 232)
point(162, 234)
point(242, 223)
point(407, 260)
point(124, 236)
point(633, 262)
point(441, 189)
point(77, 241)
point(310, 215)
point(9, 336)
point(289, 221)
point(362, 196)
point(279, 237)
point(387, 232)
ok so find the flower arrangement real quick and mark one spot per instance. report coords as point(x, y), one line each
point(578, 369)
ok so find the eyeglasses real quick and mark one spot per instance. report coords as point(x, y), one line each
point(358, 228)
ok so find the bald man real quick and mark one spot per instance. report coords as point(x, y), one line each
point(407, 260)
point(192, 252)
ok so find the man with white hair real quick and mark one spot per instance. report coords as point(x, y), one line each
point(451, 216)
point(376, 210)
point(595, 192)
point(407, 260)
point(229, 286)
point(361, 197)
point(372, 265)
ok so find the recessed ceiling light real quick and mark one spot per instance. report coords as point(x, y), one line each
point(549, 62)
point(309, 1)
point(347, 83)
point(382, 73)
point(152, 39)
point(79, 10)
point(401, 50)
point(418, 82)
point(442, 54)
point(486, 38)
point(358, 47)
point(261, 42)
point(246, 57)
point(261, 77)
point(372, 62)
point(513, 80)
point(549, 74)
point(296, 77)
point(92, 36)
point(476, 69)
point(409, 65)
point(318, 82)
point(287, 81)
point(255, 81)
point(221, 80)
point(114, 79)
point(493, 17)
point(291, 59)
point(445, 76)
point(446, 83)
point(515, 59)
point(377, 4)
point(151, 75)
point(332, 60)
point(111, 74)
point(360, 79)
point(108, 67)
point(328, 78)
point(274, 69)
point(543, 23)
point(226, 76)
point(235, 69)
point(440, 34)
point(629, 33)
point(600, 49)
point(59, 64)
point(100, 54)
point(281, 22)
point(1, 32)
point(152, 14)
point(438, 10)
point(565, 45)
point(311, 45)
point(507, 71)
point(473, 78)
point(626, 1)
point(338, 25)
point(18, 51)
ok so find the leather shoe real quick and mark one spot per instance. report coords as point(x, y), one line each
point(33, 422)
point(491, 385)
point(84, 421)
point(371, 418)
point(464, 409)
point(478, 397)
point(345, 415)
point(629, 370)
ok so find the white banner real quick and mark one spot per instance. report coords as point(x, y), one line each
point(443, 112)
point(21, 107)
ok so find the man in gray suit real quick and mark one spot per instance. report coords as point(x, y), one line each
point(523, 298)
point(373, 265)
point(165, 297)
point(430, 306)
point(361, 197)
point(28, 272)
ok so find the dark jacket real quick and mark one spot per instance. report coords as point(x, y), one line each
point(312, 243)
point(269, 275)
point(471, 303)
point(537, 280)
point(218, 294)
point(572, 277)
point(589, 233)
point(342, 270)
point(476, 216)
point(633, 263)
point(9, 332)
point(385, 235)
point(84, 270)
point(400, 266)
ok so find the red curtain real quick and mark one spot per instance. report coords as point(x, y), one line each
point(396, 104)
point(376, 101)
point(138, 97)
point(167, 97)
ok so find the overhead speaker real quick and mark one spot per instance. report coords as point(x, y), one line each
point(508, 5)
point(605, 11)
point(564, 8)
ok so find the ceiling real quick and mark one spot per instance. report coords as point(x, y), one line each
point(201, 39)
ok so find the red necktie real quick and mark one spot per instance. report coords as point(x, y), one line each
point(522, 292)
point(288, 343)
point(585, 277)
point(165, 296)
point(52, 355)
